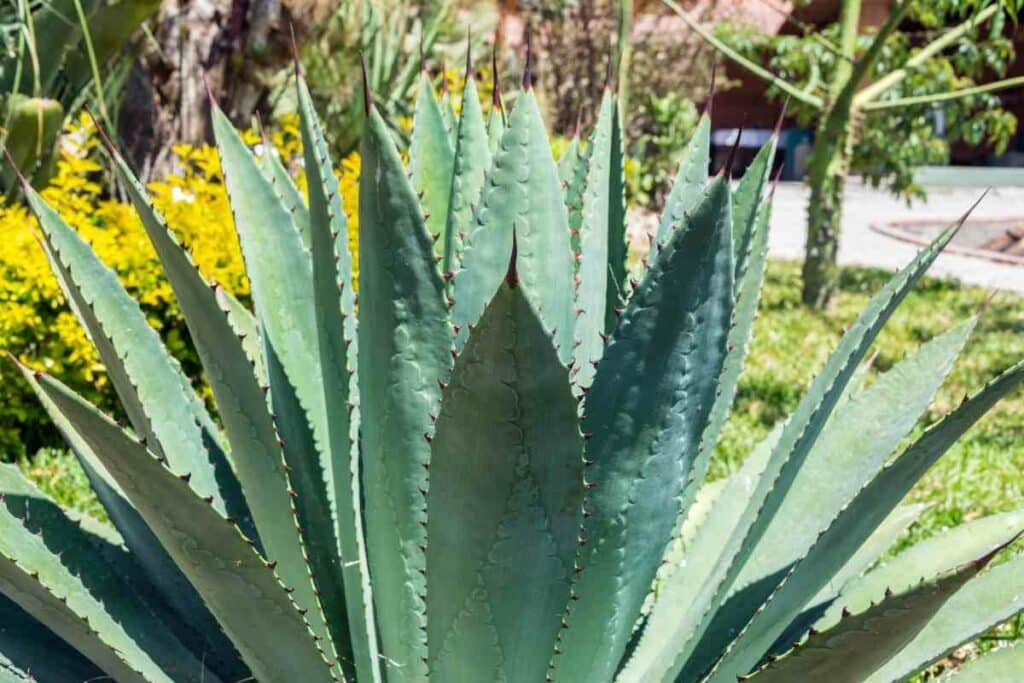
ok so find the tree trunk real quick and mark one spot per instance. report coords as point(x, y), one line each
point(824, 220)
point(830, 161)
point(232, 47)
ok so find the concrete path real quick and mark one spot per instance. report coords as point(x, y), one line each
point(861, 245)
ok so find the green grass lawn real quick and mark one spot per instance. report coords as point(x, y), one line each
point(983, 474)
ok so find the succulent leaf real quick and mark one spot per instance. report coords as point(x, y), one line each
point(281, 274)
point(506, 487)
point(522, 195)
point(472, 160)
point(989, 600)
point(287, 192)
point(798, 437)
point(232, 578)
point(688, 186)
point(741, 328)
point(343, 583)
point(832, 548)
point(862, 643)
point(594, 242)
point(30, 651)
point(243, 322)
point(618, 247)
point(405, 340)
point(181, 606)
point(646, 410)
point(431, 160)
point(671, 617)
point(495, 127)
point(747, 203)
point(158, 398)
point(840, 463)
point(929, 558)
point(872, 549)
point(572, 171)
point(48, 565)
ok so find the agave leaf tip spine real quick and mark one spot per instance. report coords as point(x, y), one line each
point(709, 105)
point(782, 117)
point(496, 80)
point(731, 159)
point(367, 95)
point(528, 69)
point(297, 64)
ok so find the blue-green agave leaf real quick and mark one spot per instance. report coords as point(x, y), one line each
point(287, 192)
point(405, 342)
point(193, 620)
point(159, 400)
point(747, 203)
point(841, 539)
point(572, 171)
point(741, 328)
point(881, 540)
point(30, 651)
point(280, 270)
point(594, 243)
point(688, 187)
point(240, 401)
point(506, 488)
point(523, 195)
point(472, 159)
point(345, 588)
point(670, 620)
point(798, 437)
point(232, 578)
point(928, 559)
point(431, 160)
point(56, 571)
point(618, 247)
point(863, 642)
point(495, 124)
point(644, 416)
point(243, 322)
point(987, 601)
point(845, 457)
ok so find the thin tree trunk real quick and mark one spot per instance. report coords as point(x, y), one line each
point(827, 179)
point(830, 162)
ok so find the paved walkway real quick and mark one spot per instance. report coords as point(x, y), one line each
point(862, 246)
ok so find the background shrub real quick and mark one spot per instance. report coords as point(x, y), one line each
point(39, 328)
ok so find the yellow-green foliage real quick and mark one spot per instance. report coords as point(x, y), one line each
point(37, 326)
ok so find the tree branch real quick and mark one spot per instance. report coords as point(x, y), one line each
point(945, 96)
point(757, 70)
point(876, 89)
point(870, 57)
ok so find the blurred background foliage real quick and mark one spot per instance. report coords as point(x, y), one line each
point(35, 322)
point(890, 143)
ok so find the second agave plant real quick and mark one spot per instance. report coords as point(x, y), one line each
point(491, 468)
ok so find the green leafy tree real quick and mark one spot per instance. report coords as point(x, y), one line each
point(882, 101)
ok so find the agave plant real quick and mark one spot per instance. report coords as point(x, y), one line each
point(491, 469)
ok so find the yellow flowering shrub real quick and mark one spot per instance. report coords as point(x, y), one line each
point(36, 325)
